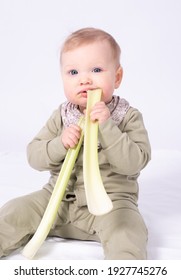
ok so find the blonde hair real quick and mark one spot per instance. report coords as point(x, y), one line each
point(89, 35)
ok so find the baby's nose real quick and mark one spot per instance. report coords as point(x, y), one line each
point(85, 81)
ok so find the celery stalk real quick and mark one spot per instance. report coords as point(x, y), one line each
point(98, 201)
point(50, 213)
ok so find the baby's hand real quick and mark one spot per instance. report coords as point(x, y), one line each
point(100, 112)
point(70, 136)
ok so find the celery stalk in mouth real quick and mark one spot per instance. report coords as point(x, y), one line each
point(98, 201)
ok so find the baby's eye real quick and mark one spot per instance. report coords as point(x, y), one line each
point(97, 70)
point(73, 72)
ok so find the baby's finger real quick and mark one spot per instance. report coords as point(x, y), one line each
point(75, 130)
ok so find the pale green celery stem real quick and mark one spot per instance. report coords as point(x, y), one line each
point(49, 216)
point(98, 201)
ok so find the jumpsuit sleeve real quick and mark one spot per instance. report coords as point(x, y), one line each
point(127, 147)
point(46, 150)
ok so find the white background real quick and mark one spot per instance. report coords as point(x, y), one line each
point(31, 33)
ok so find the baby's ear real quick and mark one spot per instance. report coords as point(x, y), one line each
point(119, 76)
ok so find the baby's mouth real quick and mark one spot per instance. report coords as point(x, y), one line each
point(84, 93)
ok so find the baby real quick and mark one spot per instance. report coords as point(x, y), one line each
point(90, 59)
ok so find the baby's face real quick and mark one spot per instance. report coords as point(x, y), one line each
point(89, 67)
